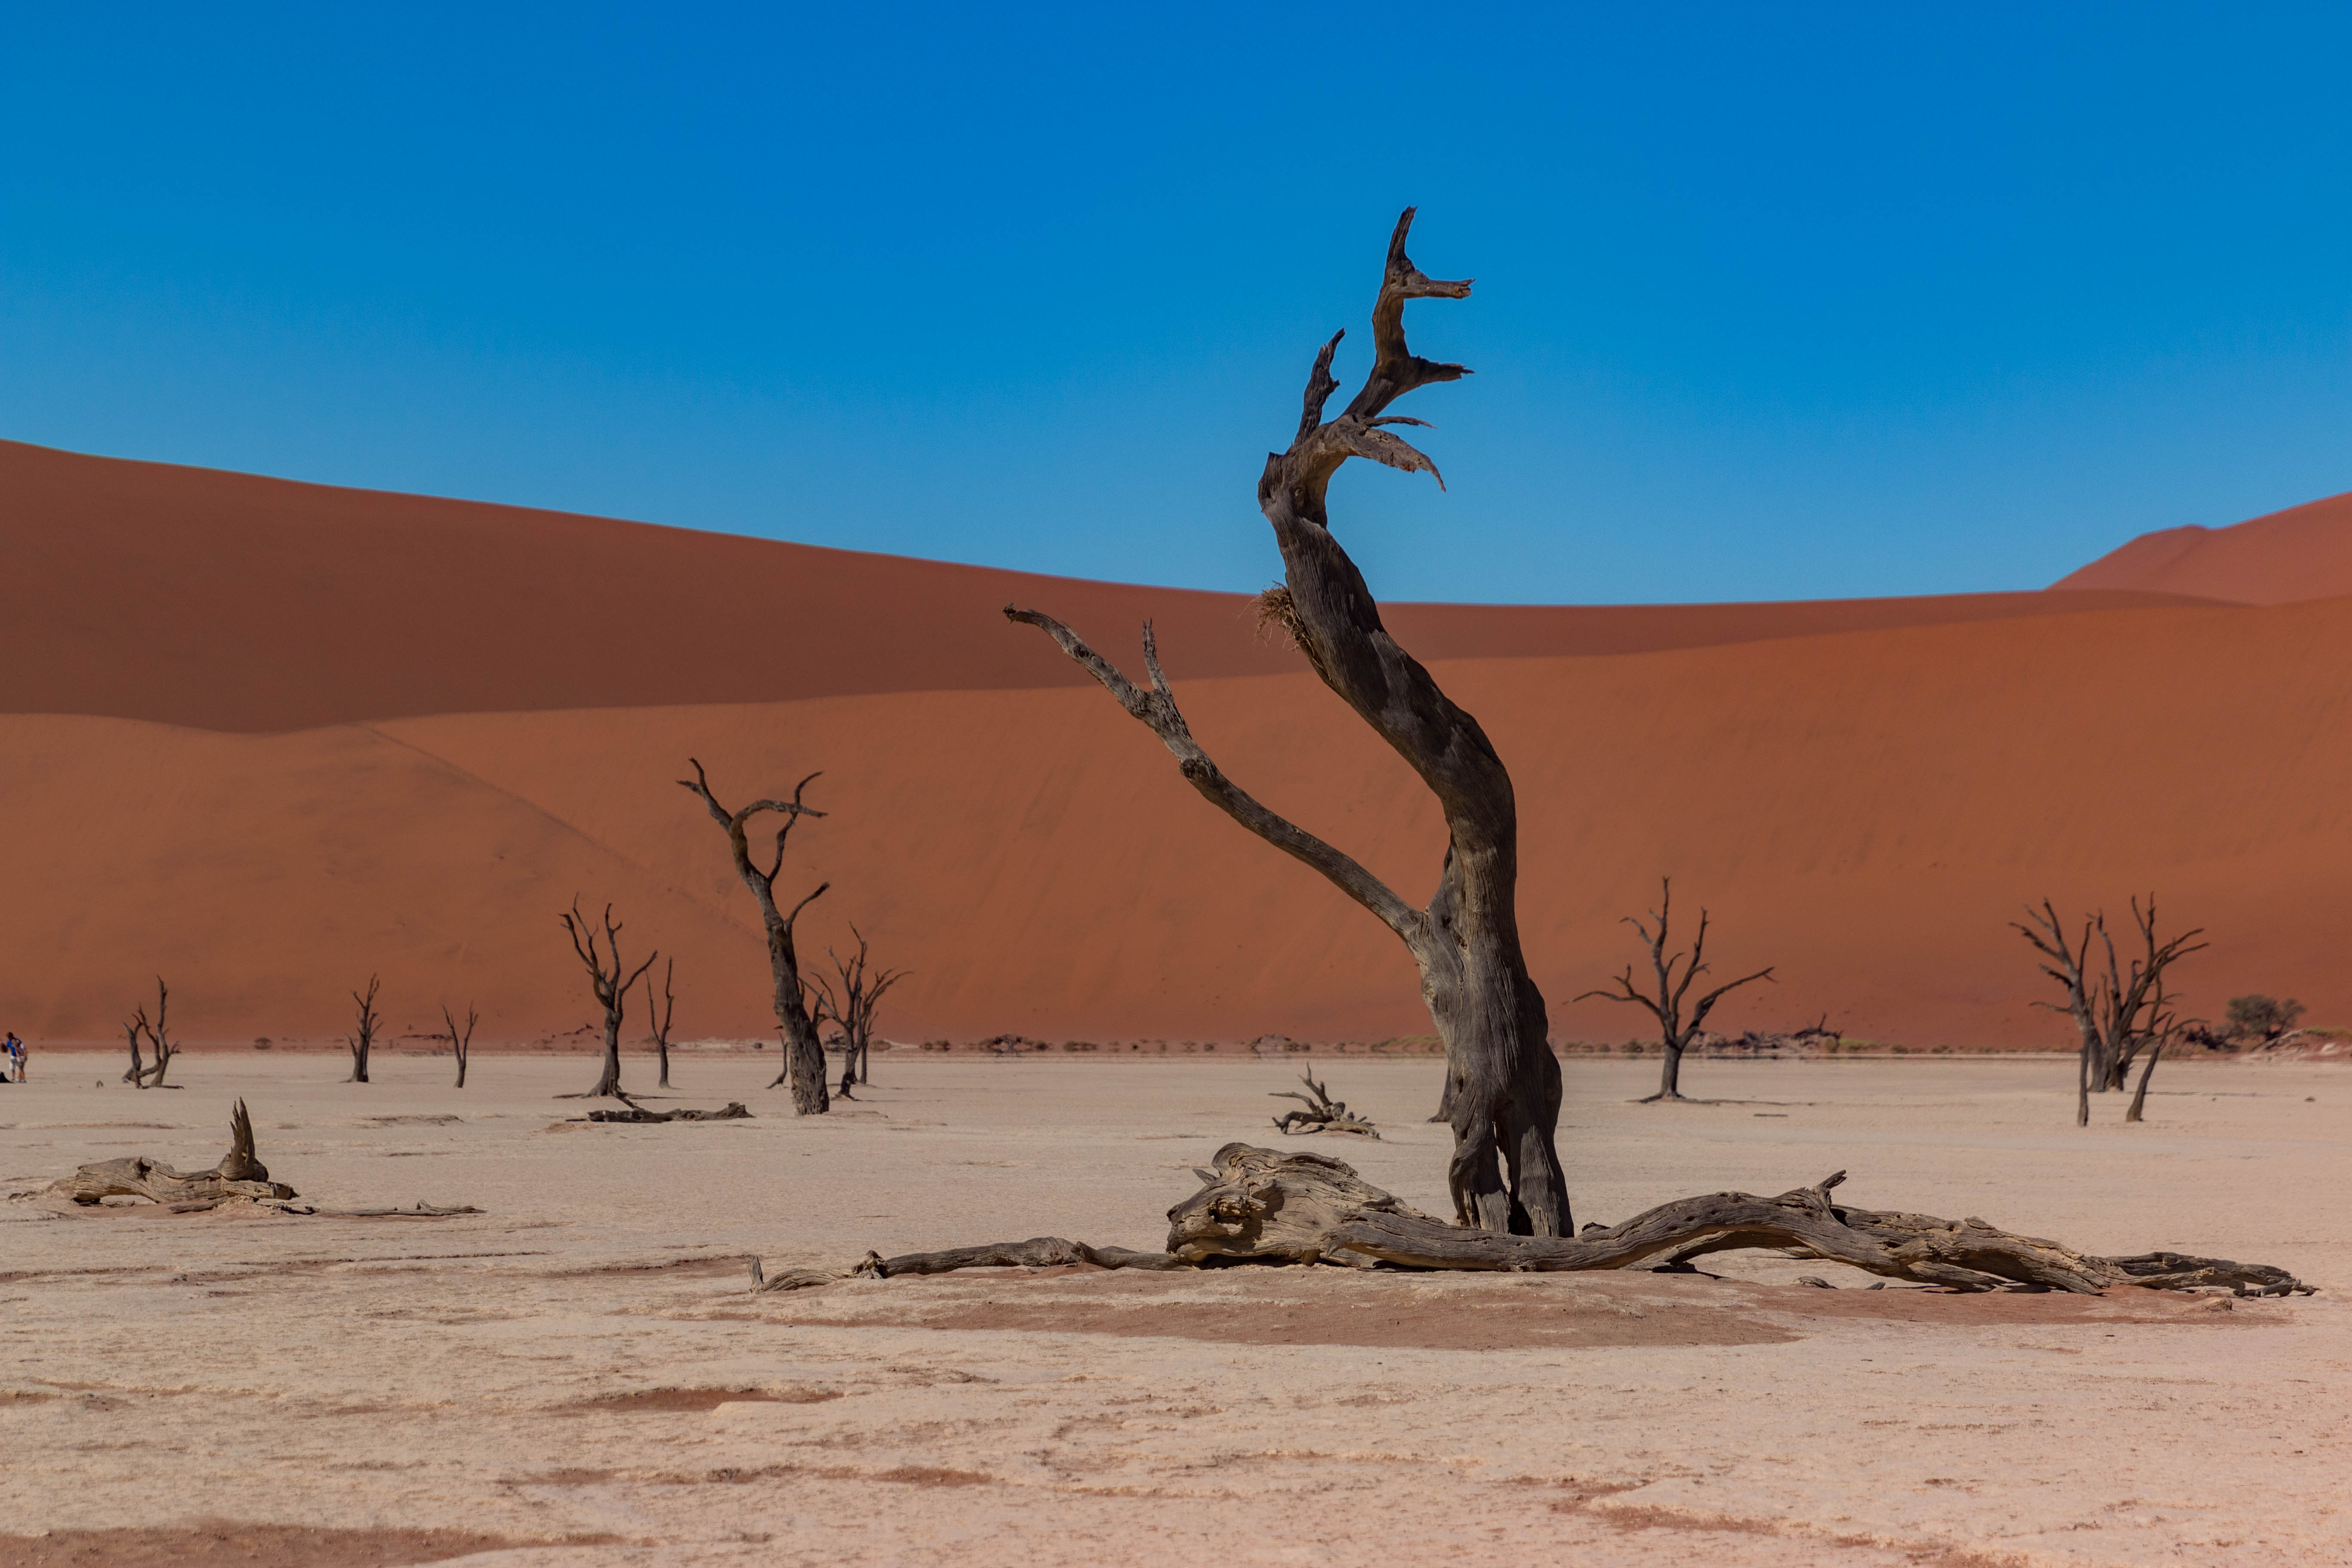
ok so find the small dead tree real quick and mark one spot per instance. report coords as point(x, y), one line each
point(2117, 1013)
point(804, 1066)
point(361, 1039)
point(658, 1021)
point(1503, 1081)
point(159, 1035)
point(461, 1041)
point(610, 981)
point(1667, 1006)
point(136, 1075)
point(854, 1007)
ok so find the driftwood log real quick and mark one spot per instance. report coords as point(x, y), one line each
point(1323, 1114)
point(638, 1114)
point(239, 1175)
point(1258, 1205)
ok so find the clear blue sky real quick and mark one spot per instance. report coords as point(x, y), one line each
point(1773, 301)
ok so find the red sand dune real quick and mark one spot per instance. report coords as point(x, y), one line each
point(228, 602)
point(1865, 808)
point(2303, 552)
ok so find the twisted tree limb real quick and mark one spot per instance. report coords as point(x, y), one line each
point(1258, 1205)
point(1503, 1086)
point(239, 1175)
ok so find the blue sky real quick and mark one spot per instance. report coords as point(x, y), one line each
point(1772, 302)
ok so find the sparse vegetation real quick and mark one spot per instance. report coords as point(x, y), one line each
point(2259, 1017)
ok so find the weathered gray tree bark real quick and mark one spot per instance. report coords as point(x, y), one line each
point(461, 1041)
point(1503, 1080)
point(362, 1037)
point(804, 1066)
point(1677, 1032)
point(610, 982)
point(1258, 1205)
point(239, 1175)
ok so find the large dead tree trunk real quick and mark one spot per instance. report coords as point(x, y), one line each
point(1504, 1086)
point(1666, 1008)
point(804, 1066)
point(1258, 1205)
point(361, 1040)
point(239, 1175)
point(610, 981)
point(854, 1007)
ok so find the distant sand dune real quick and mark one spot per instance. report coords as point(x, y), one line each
point(477, 714)
point(2303, 552)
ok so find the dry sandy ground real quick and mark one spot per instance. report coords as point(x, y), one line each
point(578, 1377)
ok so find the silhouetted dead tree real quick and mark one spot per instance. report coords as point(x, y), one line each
point(2117, 1013)
point(854, 1007)
point(659, 1021)
point(136, 1075)
point(361, 1039)
point(804, 1066)
point(606, 979)
point(461, 1041)
point(1667, 1006)
point(1504, 1086)
point(159, 1035)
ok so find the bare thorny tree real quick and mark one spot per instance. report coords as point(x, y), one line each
point(1503, 1082)
point(804, 1066)
point(1674, 1029)
point(461, 1041)
point(159, 1035)
point(658, 1019)
point(1504, 1085)
point(610, 980)
point(854, 1007)
point(2119, 1011)
point(361, 1039)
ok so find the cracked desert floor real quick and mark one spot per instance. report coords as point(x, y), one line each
point(578, 1376)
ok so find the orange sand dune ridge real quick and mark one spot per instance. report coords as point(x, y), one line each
point(2303, 552)
point(1865, 810)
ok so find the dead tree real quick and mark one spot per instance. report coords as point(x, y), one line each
point(1262, 1206)
point(1504, 1085)
point(159, 1035)
point(461, 1041)
point(239, 1175)
point(659, 1021)
point(854, 1007)
point(1323, 1114)
point(2117, 1013)
point(362, 1037)
point(804, 1066)
point(136, 1075)
point(1667, 1006)
point(610, 980)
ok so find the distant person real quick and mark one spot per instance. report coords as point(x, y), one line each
point(16, 1056)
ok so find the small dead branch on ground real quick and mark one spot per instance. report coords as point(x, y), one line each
point(1323, 1114)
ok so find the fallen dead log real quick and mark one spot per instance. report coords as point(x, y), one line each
point(1258, 1205)
point(638, 1115)
point(239, 1175)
